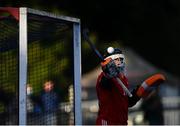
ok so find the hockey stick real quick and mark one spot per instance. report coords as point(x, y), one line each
point(85, 35)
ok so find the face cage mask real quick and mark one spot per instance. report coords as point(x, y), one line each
point(121, 68)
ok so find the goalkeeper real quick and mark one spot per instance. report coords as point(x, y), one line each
point(113, 100)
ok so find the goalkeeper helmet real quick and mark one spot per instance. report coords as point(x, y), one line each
point(114, 54)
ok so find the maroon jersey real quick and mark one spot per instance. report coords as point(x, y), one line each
point(113, 101)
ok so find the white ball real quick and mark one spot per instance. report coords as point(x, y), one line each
point(110, 49)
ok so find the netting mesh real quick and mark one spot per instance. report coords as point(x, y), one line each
point(49, 71)
point(50, 64)
point(9, 71)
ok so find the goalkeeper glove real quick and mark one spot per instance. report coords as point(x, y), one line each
point(150, 84)
point(109, 68)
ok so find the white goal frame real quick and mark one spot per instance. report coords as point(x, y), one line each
point(23, 39)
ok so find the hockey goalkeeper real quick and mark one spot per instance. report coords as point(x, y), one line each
point(113, 100)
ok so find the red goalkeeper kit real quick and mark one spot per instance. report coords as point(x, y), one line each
point(113, 101)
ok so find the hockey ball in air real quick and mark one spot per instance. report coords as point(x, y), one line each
point(110, 49)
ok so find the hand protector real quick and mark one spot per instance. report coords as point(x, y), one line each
point(109, 68)
point(150, 84)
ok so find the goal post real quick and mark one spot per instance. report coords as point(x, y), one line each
point(49, 47)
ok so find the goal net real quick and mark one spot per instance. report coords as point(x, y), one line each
point(39, 68)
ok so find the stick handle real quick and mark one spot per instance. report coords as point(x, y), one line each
point(124, 87)
point(85, 34)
